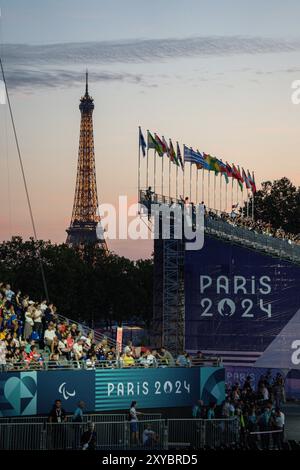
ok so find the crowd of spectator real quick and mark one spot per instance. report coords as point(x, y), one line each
point(33, 335)
point(258, 226)
point(258, 411)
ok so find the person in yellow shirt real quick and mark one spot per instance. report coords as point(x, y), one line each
point(128, 360)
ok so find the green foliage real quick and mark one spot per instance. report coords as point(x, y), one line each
point(86, 285)
point(278, 203)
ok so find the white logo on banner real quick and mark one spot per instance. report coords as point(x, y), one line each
point(62, 390)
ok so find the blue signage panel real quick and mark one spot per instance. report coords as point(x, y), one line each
point(30, 393)
point(237, 299)
point(68, 386)
point(151, 388)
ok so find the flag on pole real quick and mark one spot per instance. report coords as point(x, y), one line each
point(212, 163)
point(151, 142)
point(223, 170)
point(179, 157)
point(142, 142)
point(194, 157)
point(166, 148)
point(172, 153)
point(229, 170)
point(252, 181)
point(161, 148)
point(246, 179)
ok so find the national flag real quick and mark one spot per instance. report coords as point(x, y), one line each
point(142, 142)
point(223, 170)
point(194, 157)
point(172, 153)
point(198, 165)
point(165, 146)
point(252, 181)
point(212, 163)
point(240, 174)
point(161, 148)
point(247, 182)
point(229, 170)
point(151, 141)
point(179, 157)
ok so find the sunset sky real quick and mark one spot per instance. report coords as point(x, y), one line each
point(213, 75)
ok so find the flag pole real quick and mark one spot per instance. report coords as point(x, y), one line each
point(243, 202)
point(162, 176)
point(169, 178)
point(247, 203)
point(208, 187)
point(253, 192)
point(202, 185)
point(176, 183)
point(139, 163)
point(154, 185)
point(147, 177)
point(191, 183)
point(232, 188)
point(215, 179)
point(226, 192)
point(220, 192)
point(197, 186)
point(183, 181)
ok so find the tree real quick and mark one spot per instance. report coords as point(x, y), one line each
point(85, 285)
point(278, 203)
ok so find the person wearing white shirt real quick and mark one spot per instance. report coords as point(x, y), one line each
point(49, 335)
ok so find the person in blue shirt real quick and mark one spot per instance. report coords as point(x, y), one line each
point(183, 360)
point(211, 411)
point(78, 413)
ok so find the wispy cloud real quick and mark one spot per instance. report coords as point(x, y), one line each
point(39, 64)
point(29, 78)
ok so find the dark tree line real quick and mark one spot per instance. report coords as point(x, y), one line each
point(278, 203)
point(86, 286)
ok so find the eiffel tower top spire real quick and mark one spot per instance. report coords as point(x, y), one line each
point(86, 82)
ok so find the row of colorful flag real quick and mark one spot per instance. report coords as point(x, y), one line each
point(201, 160)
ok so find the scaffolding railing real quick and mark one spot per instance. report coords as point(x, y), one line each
point(230, 230)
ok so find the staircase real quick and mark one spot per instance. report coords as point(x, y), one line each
point(85, 330)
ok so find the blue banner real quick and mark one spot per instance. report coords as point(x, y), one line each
point(31, 393)
point(239, 300)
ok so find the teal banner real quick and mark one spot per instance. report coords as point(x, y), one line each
point(157, 388)
point(31, 393)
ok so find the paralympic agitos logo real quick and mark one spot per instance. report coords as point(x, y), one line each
point(237, 294)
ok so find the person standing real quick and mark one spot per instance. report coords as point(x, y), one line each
point(57, 413)
point(88, 439)
point(78, 413)
point(133, 417)
point(57, 416)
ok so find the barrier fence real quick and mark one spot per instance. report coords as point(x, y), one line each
point(113, 435)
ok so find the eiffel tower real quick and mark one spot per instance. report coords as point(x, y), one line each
point(85, 223)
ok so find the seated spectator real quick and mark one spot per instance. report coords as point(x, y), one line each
point(74, 331)
point(78, 350)
point(166, 358)
point(49, 335)
point(127, 359)
point(147, 359)
point(55, 349)
point(199, 359)
point(183, 360)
